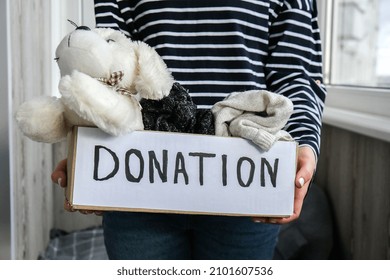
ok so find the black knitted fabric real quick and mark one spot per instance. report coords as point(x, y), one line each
point(176, 113)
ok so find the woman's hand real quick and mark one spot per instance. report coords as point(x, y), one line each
point(59, 176)
point(305, 172)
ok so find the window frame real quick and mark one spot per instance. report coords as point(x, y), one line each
point(364, 110)
point(6, 137)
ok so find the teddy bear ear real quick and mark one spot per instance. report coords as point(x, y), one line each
point(153, 80)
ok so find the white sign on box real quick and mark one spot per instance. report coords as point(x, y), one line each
point(154, 171)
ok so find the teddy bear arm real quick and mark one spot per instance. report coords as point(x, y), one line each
point(42, 119)
point(100, 104)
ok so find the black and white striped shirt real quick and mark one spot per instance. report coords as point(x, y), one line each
point(215, 47)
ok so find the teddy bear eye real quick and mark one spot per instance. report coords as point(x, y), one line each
point(110, 40)
point(56, 59)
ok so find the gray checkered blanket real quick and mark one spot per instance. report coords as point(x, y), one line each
point(87, 244)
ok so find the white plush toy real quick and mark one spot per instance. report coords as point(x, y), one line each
point(103, 77)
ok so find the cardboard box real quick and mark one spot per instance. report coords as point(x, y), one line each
point(153, 171)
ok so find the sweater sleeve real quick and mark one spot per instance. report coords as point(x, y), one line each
point(294, 67)
point(115, 14)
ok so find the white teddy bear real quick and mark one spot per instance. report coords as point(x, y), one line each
point(103, 76)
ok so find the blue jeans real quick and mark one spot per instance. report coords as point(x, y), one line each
point(149, 236)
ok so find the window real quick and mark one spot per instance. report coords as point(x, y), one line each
point(356, 44)
point(361, 43)
point(383, 48)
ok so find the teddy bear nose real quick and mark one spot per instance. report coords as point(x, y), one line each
point(83, 28)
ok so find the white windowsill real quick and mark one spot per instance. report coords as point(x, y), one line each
point(362, 123)
point(361, 110)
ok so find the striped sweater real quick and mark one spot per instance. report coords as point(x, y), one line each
point(215, 47)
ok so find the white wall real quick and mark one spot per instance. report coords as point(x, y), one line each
point(31, 162)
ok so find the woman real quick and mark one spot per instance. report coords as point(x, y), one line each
point(214, 48)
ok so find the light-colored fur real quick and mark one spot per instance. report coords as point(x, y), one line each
point(83, 56)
